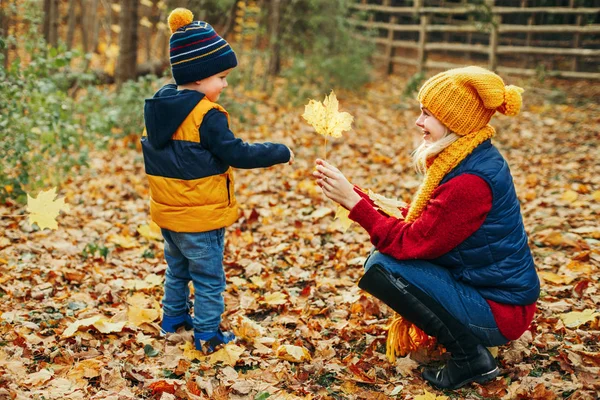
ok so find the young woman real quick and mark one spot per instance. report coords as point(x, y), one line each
point(458, 266)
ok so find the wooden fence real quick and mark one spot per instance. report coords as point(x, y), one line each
point(485, 33)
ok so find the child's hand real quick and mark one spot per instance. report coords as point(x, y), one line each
point(335, 185)
point(291, 157)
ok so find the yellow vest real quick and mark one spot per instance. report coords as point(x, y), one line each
point(193, 205)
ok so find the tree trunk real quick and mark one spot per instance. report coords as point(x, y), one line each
point(54, 21)
point(46, 25)
point(4, 32)
point(275, 44)
point(126, 64)
point(71, 24)
point(83, 23)
point(94, 25)
point(109, 21)
point(152, 29)
point(230, 19)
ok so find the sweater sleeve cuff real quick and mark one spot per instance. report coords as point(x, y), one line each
point(363, 194)
point(365, 215)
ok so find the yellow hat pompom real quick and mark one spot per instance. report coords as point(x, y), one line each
point(180, 17)
point(512, 101)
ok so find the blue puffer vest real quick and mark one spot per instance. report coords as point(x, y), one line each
point(496, 258)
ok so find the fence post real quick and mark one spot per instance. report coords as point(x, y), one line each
point(494, 37)
point(529, 57)
point(576, 39)
point(389, 47)
point(422, 56)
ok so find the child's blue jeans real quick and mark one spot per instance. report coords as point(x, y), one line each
point(462, 301)
point(195, 256)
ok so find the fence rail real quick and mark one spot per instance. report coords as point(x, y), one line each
point(422, 22)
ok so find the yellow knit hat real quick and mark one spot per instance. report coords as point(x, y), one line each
point(465, 99)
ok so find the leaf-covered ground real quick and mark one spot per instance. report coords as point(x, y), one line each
point(79, 309)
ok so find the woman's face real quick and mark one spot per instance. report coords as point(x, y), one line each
point(433, 129)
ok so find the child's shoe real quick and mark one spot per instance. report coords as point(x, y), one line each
point(171, 324)
point(209, 341)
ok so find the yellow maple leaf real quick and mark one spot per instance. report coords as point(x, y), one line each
point(325, 117)
point(85, 369)
point(574, 319)
point(275, 299)
point(124, 241)
point(247, 329)
point(44, 209)
point(151, 231)
point(341, 219)
point(101, 324)
point(190, 352)
point(293, 353)
point(149, 281)
point(389, 206)
point(139, 316)
point(228, 354)
point(555, 278)
point(570, 196)
point(430, 396)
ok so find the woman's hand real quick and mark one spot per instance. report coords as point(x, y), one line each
point(335, 185)
point(291, 161)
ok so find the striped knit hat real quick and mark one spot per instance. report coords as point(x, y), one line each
point(465, 99)
point(197, 51)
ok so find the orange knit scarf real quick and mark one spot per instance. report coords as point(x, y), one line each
point(403, 338)
point(445, 162)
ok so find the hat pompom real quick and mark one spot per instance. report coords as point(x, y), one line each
point(180, 17)
point(512, 101)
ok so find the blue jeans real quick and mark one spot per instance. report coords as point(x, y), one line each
point(196, 257)
point(461, 300)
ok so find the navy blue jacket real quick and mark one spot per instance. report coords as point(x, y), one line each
point(188, 154)
point(496, 259)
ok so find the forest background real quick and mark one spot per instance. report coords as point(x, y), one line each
point(79, 308)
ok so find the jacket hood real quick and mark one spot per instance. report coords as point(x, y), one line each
point(165, 112)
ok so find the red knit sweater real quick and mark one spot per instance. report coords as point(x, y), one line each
point(443, 225)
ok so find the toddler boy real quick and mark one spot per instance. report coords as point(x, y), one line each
point(188, 154)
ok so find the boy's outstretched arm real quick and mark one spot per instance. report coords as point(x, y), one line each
point(217, 138)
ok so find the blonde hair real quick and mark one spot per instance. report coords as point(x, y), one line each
point(426, 150)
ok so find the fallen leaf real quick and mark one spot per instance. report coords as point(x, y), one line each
point(190, 352)
point(575, 319)
point(570, 196)
point(548, 276)
point(101, 324)
point(139, 316)
point(150, 231)
point(85, 369)
point(275, 299)
point(228, 354)
point(321, 212)
point(293, 353)
point(38, 378)
point(162, 386)
point(429, 396)
point(149, 282)
point(44, 209)
point(247, 329)
point(126, 242)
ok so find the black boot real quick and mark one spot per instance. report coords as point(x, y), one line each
point(470, 361)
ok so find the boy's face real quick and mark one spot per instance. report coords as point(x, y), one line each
point(214, 85)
